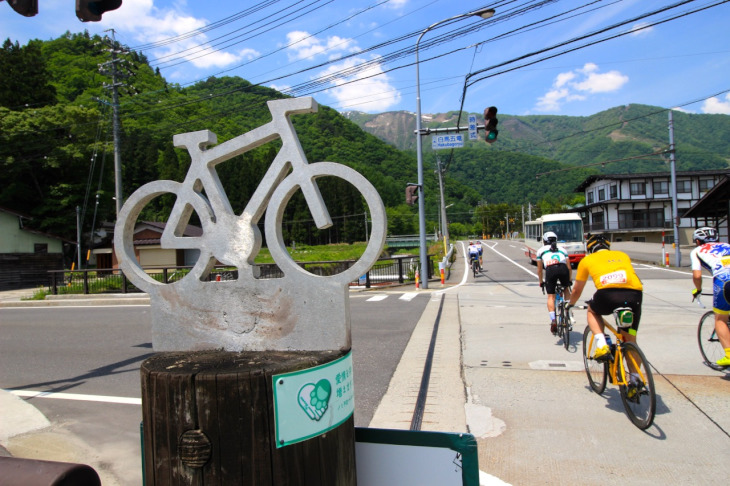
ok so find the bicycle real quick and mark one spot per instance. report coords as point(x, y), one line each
point(234, 240)
point(475, 266)
point(562, 316)
point(627, 368)
point(710, 346)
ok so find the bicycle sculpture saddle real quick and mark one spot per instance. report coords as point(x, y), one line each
point(300, 311)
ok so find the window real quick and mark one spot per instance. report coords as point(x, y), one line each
point(597, 221)
point(602, 194)
point(641, 218)
point(614, 192)
point(661, 187)
point(40, 247)
point(638, 239)
point(684, 187)
point(589, 197)
point(706, 184)
point(638, 188)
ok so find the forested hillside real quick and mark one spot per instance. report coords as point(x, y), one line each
point(56, 150)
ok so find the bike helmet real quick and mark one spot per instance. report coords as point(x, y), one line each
point(705, 234)
point(596, 243)
point(549, 237)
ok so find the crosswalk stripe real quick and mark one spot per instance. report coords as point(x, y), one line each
point(376, 298)
point(75, 396)
point(408, 296)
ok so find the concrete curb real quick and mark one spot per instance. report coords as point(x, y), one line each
point(445, 401)
point(18, 417)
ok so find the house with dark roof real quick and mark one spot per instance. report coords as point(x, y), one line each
point(26, 255)
point(714, 208)
point(639, 207)
point(151, 255)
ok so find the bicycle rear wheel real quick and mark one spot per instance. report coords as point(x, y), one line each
point(639, 399)
point(565, 325)
point(597, 371)
point(710, 346)
point(474, 267)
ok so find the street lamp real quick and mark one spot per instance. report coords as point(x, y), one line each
point(485, 14)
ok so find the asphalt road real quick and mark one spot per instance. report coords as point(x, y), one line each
point(85, 354)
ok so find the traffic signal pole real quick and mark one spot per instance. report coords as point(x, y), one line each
point(485, 14)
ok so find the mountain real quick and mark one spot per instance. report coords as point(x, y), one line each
point(617, 133)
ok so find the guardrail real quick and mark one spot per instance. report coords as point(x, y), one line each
point(386, 271)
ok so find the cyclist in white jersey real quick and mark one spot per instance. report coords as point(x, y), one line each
point(475, 252)
point(714, 257)
point(554, 260)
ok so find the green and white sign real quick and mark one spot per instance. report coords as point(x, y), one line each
point(310, 402)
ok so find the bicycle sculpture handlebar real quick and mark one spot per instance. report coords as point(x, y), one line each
point(300, 311)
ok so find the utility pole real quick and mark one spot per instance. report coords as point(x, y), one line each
point(675, 217)
point(444, 224)
point(111, 68)
point(78, 237)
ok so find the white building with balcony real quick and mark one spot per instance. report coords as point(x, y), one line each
point(638, 207)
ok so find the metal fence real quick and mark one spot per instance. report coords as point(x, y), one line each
point(386, 271)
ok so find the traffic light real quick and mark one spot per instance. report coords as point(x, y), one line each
point(411, 193)
point(490, 124)
point(27, 8)
point(92, 10)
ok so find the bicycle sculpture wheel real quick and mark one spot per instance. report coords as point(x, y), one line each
point(300, 311)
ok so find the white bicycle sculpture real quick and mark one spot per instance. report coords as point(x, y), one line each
point(235, 240)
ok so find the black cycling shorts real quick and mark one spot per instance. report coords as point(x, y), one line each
point(604, 302)
point(556, 272)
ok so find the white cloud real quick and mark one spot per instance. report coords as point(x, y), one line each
point(576, 85)
point(367, 90)
point(602, 83)
point(395, 4)
point(716, 106)
point(147, 23)
point(642, 28)
point(301, 45)
point(281, 88)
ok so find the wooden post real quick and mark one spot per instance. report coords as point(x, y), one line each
point(208, 419)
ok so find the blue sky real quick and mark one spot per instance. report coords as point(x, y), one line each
point(347, 53)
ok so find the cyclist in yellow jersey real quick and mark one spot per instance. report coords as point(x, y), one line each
point(617, 285)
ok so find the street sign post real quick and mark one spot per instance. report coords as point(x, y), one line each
point(447, 141)
point(472, 127)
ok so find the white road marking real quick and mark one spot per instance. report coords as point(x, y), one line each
point(408, 296)
point(76, 396)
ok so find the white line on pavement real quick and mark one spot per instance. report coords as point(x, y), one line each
point(75, 396)
point(408, 296)
point(376, 298)
point(509, 259)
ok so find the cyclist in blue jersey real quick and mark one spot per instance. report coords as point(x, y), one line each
point(554, 260)
point(714, 256)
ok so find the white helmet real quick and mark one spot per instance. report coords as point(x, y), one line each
point(705, 234)
point(549, 237)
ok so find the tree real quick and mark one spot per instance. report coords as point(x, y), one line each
point(26, 81)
